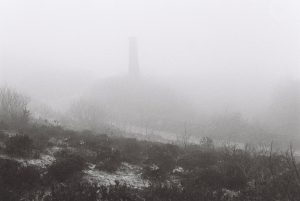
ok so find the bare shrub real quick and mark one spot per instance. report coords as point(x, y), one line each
point(13, 108)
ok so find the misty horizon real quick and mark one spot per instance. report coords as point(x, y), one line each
point(216, 58)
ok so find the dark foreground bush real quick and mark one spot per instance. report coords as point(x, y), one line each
point(161, 160)
point(198, 159)
point(19, 146)
point(108, 159)
point(16, 179)
point(72, 192)
point(3, 125)
point(131, 149)
point(66, 167)
point(90, 192)
point(234, 177)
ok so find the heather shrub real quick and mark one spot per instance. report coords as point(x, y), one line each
point(197, 159)
point(19, 146)
point(108, 159)
point(17, 179)
point(65, 167)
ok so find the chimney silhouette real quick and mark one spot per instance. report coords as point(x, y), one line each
point(133, 68)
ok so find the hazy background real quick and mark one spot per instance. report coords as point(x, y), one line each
point(220, 55)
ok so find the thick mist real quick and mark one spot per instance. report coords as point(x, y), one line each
point(202, 60)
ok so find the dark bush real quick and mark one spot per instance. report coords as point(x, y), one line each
point(16, 177)
point(161, 160)
point(209, 178)
point(66, 167)
point(40, 142)
point(8, 195)
point(89, 192)
point(73, 192)
point(234, 177)
point(19, 146)
point(163, 192)
point(153, 173)
point(119, 193)
point(164, 156)
point(131, 149)
point(174, 192)
point(3, 125)
point(108, 159)
point(198, 159)
point(47, 132)
point(3, 136)
point(96, 142)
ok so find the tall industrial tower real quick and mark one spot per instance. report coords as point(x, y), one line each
point(133, 68)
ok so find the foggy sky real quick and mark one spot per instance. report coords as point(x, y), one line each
point(231, 52)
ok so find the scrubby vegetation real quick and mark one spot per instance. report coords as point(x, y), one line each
point(171, 172)
point(19, 146)
point(65, 167)
point(14, 111)
point(50, 163)
point(17, 180)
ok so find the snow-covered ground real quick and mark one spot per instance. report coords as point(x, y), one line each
point(127, 173)
point(42, 162)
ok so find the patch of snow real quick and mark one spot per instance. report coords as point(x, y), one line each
point(178, 170)
point(9, 133)
point(127, 174)
point(154, 167)
point(53, 150)
point(230, 194)
point(43, 161)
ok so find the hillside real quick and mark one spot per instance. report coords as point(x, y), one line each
point(51, 163)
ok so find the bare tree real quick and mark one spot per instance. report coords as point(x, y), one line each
point(184, 138)
point(13, 108)
point(291, 161)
